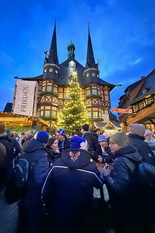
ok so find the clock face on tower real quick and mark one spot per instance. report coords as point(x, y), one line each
point(72, 64)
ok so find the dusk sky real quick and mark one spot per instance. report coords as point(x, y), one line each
point(122, 33)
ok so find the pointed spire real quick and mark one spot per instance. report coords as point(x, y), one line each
point(90, 62)
point(53, 57)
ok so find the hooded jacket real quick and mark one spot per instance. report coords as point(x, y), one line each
point(36, 155)
point(68, 189)
point(142, 147)
point(122, 181)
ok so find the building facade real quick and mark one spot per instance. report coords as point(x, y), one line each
point(140, 98)
point(53, 83)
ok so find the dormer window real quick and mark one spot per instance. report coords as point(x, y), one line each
point(50, 69)
point(72, 64)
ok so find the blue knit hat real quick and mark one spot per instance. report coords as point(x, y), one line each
point(78, 142)
point(42, 136)
point(61, 132)
point(102, 138)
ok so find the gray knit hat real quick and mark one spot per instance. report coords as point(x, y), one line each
point(119, 138)
point(138, 129)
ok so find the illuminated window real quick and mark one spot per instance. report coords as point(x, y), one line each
point(49, 88)
point(72, 64)
point(50, 69)
point(94, 91)
point(47, 113)
point(54, 113)
point(41, 113)
point(43, 88)
point(88, 92)
point(89, 114)
point(56, 71)
point(55, 89)
point(60, 95)
point(87, 75)
point(95, 114)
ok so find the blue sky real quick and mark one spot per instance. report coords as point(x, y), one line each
point(122, 32)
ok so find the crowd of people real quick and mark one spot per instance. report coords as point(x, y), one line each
point(65, 170)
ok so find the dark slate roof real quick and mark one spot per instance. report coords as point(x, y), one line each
point(90, 61)
point(133, 86)
point(37, 78)
point(147, 88)
point(8, 107)
point(53, 57)
point(112, 116)
point(103, 124)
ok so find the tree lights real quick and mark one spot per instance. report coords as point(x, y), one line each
point(74, 113)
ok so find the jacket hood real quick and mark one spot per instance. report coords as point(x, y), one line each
point(132, 135)
point(33, 145)
point(75, 158)
point(129, 152)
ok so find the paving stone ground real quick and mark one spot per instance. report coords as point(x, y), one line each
point(8, 216)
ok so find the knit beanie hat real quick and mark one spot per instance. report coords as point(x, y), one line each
point(29, 132)
point(42, 136)
point(85, 127)
point(61, 132)
point(138, 129)
point(102, 138)
point(2, 130)
point(78, 142)
point(119, 138)
point(148, 132)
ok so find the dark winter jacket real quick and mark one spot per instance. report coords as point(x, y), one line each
point(68, 189)
point(95, 141)
point(142, 147)
point(108, 157)
point(52, 155)
point(64, 144)
point(122, 182)
point(89, 137)
point(36, 155)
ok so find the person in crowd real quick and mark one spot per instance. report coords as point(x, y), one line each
point(28, 136)
point(63, 142)
point(136, 139)
point(31, 214)
point(68, 189)
point(103, 153)
point(121, 181)
point(96, 132)
point(150, 140)
point(3, 166)
point(15, 144)
point(21, 139)
point(6, 141)
point(52, 149)
point(88, 135)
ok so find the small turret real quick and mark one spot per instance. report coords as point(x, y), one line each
point(71, 49)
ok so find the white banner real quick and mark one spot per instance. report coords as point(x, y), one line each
point(25, 97)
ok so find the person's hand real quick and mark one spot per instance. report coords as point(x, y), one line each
point(106, 170)
point(100, 159)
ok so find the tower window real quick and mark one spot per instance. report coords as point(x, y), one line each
point(72, 64)
point(87, 75)
point(45, 70)
point(50, 69)
point(56, 71)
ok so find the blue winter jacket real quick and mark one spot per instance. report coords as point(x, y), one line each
point(36, 155)
point(68, 189)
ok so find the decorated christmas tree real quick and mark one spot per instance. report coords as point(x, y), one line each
point(74, 113)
